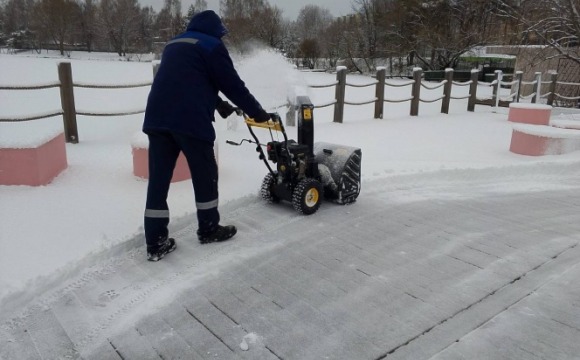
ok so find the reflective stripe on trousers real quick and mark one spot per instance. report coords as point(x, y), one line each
point(157, 214)
point(206, 205)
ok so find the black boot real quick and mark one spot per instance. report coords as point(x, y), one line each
point(221, 233)
point(156, 253)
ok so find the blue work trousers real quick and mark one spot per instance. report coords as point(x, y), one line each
point(164, 148)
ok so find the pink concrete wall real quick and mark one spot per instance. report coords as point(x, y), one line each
point(530, 114)
point(526, 144)
point(141, 166)
point(538, 144)
point(33, 166)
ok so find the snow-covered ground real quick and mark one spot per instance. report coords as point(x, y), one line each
point(94, 209)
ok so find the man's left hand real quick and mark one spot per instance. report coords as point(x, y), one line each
point(225, 109)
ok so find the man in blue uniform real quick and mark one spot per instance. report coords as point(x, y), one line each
point(194, 67)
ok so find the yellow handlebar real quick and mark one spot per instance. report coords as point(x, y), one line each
point(266, 125)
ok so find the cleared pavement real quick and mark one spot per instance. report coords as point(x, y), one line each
point(457, 264)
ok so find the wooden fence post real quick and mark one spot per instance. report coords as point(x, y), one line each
point(498, 78)
point(291, 113)
point(67, 100)
point(447, 91)
point(473, 90)
point(537, 88)
point(155, 64)
point(340, 93)
point(519, 77)
point(380, 92)
point(553, 82)
point(416, 91)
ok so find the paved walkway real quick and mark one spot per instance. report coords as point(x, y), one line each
point(462, 264)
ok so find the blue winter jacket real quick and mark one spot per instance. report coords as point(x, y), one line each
point(195, 65)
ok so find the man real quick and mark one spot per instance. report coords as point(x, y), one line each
point(194, 67)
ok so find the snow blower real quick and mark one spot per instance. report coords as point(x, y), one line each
point(305, 171)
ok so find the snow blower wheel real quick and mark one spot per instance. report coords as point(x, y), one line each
point(307, 196)
point(266, 191)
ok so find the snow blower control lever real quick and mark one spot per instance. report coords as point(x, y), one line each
point(305, 172)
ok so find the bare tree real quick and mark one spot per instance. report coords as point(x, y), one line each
point(335, 38)
point(170, 21)
point(309, 51)
point(238, 16)
point(368, 34)
point(146, 35)
point(235, 19)
point(351, 47)
point(270, 30)
point(17, 15)
point(120, 20)
point(57, 20)
point(553, 23)
point(398, 35)
point(252, 20)
point(88, 22)
point(311, 25)
point(232, 9)
point(199, 6)
point(2, 35)
point(446, 29)
point(290, 40)
point(379, 30)
point(312, 21)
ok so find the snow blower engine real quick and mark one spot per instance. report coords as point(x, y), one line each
point(305, 171)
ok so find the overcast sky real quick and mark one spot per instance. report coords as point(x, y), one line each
point(290, 8)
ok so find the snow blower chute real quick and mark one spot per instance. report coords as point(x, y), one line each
point(305, 171)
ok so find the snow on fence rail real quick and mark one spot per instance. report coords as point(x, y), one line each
point(417, 83)
point(69, 112)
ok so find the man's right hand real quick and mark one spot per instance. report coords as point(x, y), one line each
point(263, 116)
point(275, 117)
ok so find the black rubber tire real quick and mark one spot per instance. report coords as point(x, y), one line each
point(307, 196)
point(266, 189)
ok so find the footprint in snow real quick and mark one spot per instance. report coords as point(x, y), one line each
point(108, 296)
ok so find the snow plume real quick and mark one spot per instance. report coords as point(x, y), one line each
point(270, 77)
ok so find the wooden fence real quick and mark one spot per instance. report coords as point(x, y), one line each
point(417, 83)
point(69, 112)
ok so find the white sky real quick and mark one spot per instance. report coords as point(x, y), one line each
point(290, 7)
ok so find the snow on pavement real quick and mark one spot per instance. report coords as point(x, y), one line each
point(388, 274)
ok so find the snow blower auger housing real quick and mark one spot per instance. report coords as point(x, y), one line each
point(306, 172)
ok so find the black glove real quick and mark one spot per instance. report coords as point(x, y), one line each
point(275, 117)
point(225, 109)
point(262, 116)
